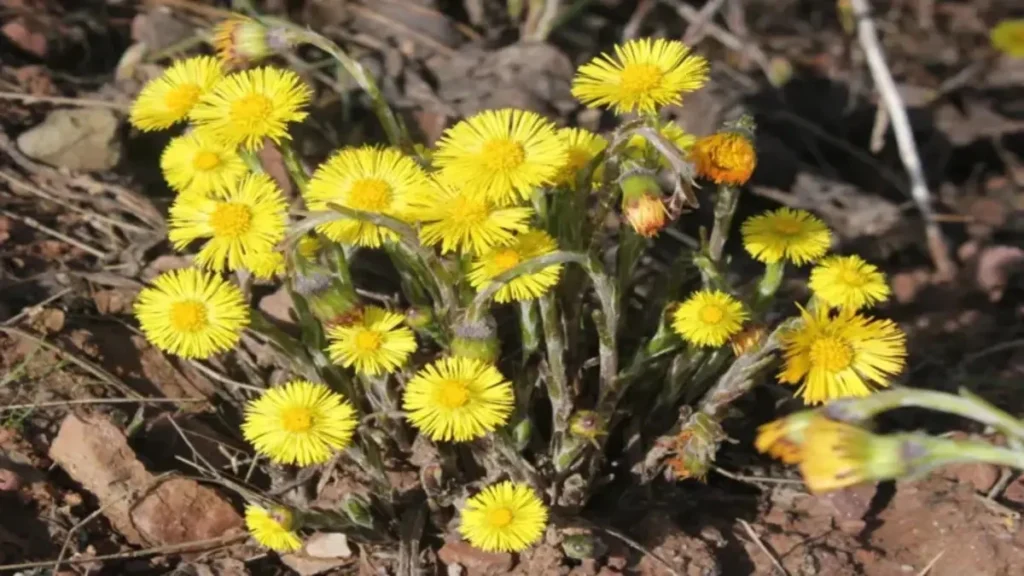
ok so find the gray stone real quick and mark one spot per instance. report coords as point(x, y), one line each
point(80, 139)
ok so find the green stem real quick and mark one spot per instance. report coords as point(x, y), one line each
point(725, 208)
point(557, 380)
point(768, 286)
point(529, 322)
point(294, 167)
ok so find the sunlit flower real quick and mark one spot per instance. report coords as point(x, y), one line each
point(837, 455)
point(196, 164)
point(167, 100)
point(246, 107)
point(466, 222)
point(264, 265)
point(458, 399)
point(784, 438)
point(709, 318)
point(1008, 37)
point(583, 146)
point(505, 517)
point(299, 423)
point(724, 158)
point(249, 218)
point(795, 235)
point(273, 529)
point(643, 76)
point(836, 356)
point(374, 343)
point(309, 247)
point(498, 260)
point(368, 179)
point(191, 313)
point(848, 282)
point(502, 155)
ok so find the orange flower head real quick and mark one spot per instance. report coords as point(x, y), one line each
point(724, 158)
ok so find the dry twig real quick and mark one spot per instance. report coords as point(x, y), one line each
point(764, 548)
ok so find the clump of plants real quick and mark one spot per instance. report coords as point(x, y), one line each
point(509, 373)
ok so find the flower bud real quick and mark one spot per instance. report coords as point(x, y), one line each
point(837, 455)
point(725, 158)
point(241, 40)
point(586, 424)
point(522, 434)
point(477, 339)
point(328, 300)
point(642, 204)
point(583, 545)
point(748, 340)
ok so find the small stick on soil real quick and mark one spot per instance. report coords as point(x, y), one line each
point(726, 38)
point(755, 480)
point(764, 548)
point(868, 37)
point(193, 546)
point(33, 223)
point(80, 102)
point(31, 309)
point(931, 564)
point(81, 401)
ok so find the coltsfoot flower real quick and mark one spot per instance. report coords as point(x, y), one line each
point(709, 318)
point(794, 235)
point(374, 343)
point(528, 245)
point(837, 455)
point(273, 529)
point(848, 282)
point(724, 158)
point(582, 147)
point(505, 517)
point(1008, 37)
point(784, 438)
point(464, 222)
point(241, 40)
point(458, 399)
point(197, 164)
point(167, 100)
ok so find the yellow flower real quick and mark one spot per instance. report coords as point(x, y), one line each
point(795, 235)
point(249, 218)
point(191, 313)
point(848, 282)
point(299, 423)
point(1008, 37)
point(246, 107)
point(458, 399)
point(709, 318)
point(643, 76)
point(724, 158)
point(837, 455)
point(167, 100)
point(582, 147)
point(494, 262)
point(646, 214)
point(374, 344)
point(264, 265)
point(505, 517)
point(840, 356)
point(639, 148)
point(374, 180)
point(199, 165)
point(273, 529)
point(241, 40)
point(747, 340)
point(462, 221)
point(502, 155)
point(309, 247)
point(784, 438)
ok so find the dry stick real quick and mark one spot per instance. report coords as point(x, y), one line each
point(82, 102)
point(754, 480)
point(193, 546)
point(82, 401)
point(29, 309)
point(695, 30)
point(931, 564)
point(868, 38)
point(33, 223)
point(726, 38)
point(757, 540)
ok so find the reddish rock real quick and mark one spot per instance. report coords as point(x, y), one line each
point(180, 511)
point(26, 34)
point(979, 475)
point(476, 562)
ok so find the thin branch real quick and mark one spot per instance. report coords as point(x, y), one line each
point(81, 102)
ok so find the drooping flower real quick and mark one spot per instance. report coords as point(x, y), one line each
point(505, 517)
point(458, 220)
point(582, 147)
point(784, 438)
point(241, 40)
point(273, 529)
point(528, 245)
point(724, 158)
point(837, 455)
point(368, 179)
point(250, 218)
point(167, 100)
point(372, 344)
point(848, 282)
point(191, 313)
point(501, 155)
point(199, 165)
point(1008, 37)
point(458, 399)
point(795, 235)
point(246, 107)
point(709, 318)
point(642, 76)
point(836, 356)
point(299, 423)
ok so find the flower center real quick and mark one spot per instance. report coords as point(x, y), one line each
point(853, 278)
point(182, 98)
point(206, 160)
point(712, 314)
point(832, 354)
point(787, 227)
point(469, 212)
point(506, 259)
point(639, 79)
point(453, 394)
point(188, 316)
point(251, 110)
point(230, 219)
point(368, 341)
point(296, 419)
point(499, 518)
point(502, 155)
point(369, 195)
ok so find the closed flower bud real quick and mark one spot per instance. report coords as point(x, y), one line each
point(641, 202)
point(586, 424)
point(240, 40)
point(724, 158)
point(748, 340)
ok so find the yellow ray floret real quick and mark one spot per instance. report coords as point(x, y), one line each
point(368, 179)
point(709, 318)
point(460, 221)
point(642, 76)
point(167, 100)
point(582, 147)
point(272, 528)
point(505, 517)
point(836, 356)
point(848, 282)
point(264, 265)
point(200, 165)
point(640, 149)
point(528, 245)
point(191, 313)
point(1008, 37)
point(502, 155)
point(246, 107)
point(458, 399)
point(794, 235)
point(375, 343)
point(299, 423)
point(250, 218)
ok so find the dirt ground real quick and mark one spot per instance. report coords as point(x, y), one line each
point(82, 226)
